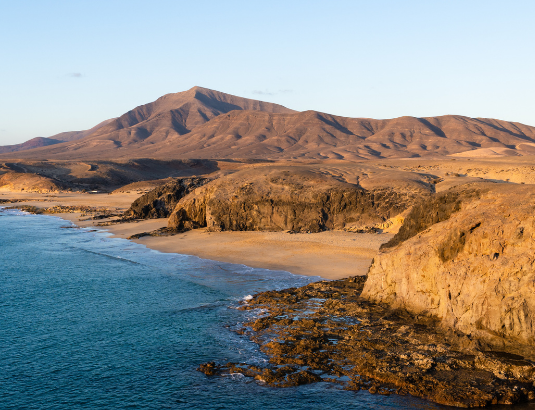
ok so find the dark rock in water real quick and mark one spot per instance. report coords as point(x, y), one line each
point(281, 198)
point(156, 232)
point(209, 368)
point(160, 202)
point(326, 332)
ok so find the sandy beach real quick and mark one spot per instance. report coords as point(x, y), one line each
point(330, 254)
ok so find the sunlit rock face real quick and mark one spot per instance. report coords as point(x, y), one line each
point(472, 266)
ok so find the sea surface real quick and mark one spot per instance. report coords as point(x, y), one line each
point(93, 322)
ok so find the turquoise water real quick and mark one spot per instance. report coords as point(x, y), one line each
point(91, 322)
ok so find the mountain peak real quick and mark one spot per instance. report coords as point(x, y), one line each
point(194, 124)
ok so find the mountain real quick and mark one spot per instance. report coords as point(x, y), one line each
point(203, 123)
point(154, 125)
point(30, 144)
point(76, 135)
point(315, 135)
point(54, 139)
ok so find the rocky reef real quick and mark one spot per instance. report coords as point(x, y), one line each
point(281, 198)
point(326, 332)
point(473, 270)
point(161, 201)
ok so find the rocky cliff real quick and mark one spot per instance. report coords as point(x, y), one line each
point(161, 201)
point(281, 198)
point(466, 257)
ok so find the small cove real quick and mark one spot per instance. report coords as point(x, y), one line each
point(92, 322)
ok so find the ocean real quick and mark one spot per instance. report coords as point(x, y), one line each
point(93, 322)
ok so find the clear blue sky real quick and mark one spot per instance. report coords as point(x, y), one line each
point(67, 65)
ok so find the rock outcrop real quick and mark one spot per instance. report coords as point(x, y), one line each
point(466, 258)
point(161, 201)
point(282, 198)
point(29, 182)
point(324, 332)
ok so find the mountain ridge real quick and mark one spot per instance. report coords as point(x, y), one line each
point(204, 123)
point(39, 142)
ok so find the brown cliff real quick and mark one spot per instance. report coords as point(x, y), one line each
point(161, 201)
point(279, 198)
point(473, 269)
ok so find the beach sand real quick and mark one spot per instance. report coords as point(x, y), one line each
point(330, 254)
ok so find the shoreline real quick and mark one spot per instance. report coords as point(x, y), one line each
point(350, 342)
point(330, 255)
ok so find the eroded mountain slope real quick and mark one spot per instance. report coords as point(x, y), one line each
point(203, 123)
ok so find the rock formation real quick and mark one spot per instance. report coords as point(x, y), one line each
point(161, 201)
point(17, 181)
point(466, 258)
point(282, 198)
point(324, 332)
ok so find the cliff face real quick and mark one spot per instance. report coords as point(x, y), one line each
point(277, 198)
point(160, 202)
point(473, 269)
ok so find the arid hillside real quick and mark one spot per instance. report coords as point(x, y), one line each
point(55, 139)
point(30, 144)
point(97, 175)
point(207, 124)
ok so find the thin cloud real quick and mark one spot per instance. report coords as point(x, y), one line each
point(258, 92)
point(75, 75)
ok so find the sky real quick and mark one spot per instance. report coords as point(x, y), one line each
point(68, 65)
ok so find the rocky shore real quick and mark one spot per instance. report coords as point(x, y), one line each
point(445, 313)
point(327, 332)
